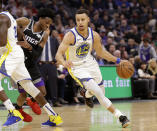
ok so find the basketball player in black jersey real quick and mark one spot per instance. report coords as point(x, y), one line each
point(32, 37)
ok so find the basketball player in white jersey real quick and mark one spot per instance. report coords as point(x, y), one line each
point(77, 45)
point(12, 65)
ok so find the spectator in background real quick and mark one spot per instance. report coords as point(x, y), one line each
point(132, 48)
point(124, 28)
point(110, 5)
point(105, 21)
point(112, 48)
point(146, 51)
point(149, 78)
point(117, 53)
point(56, 35)
point(102, 33)
point(92, 26)
point(96, 20)
point(49, 70)
point(121, 42)
point(152, 69)
point(99, 4)
point(133, 33)
point(124, 54)
point(72, 88)
point(61, 83)
point(71, 23)
point(110, 40)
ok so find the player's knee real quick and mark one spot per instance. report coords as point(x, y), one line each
point(93, 87)
point(29, 88)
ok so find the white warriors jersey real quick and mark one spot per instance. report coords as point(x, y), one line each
point(80, 51)
point(12, 31)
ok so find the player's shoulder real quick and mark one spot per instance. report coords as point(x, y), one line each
point(69, 37)
point(96, 35)
point(69, 34)
point(4, 19)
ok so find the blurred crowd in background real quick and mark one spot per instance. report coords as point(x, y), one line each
point(128, 29)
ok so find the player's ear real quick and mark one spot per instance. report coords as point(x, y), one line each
point(88, 19)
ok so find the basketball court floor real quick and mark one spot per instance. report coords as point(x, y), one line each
point(143, 116)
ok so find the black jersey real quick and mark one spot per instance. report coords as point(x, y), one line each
point(33, 38)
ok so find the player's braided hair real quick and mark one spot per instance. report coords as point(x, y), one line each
point(45, 12)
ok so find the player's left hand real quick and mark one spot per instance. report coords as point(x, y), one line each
point(24, 44)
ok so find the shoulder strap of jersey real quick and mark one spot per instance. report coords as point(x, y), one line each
point(74, 33)
point(30, 24)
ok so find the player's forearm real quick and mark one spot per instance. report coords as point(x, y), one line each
point(60, 59)
point(107, 56)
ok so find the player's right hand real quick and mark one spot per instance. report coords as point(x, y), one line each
point(67, 64)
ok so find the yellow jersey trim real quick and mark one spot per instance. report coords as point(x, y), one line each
point(4, 56)
point(70, 71)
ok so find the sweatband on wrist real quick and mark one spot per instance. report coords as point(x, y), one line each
point(118, 61)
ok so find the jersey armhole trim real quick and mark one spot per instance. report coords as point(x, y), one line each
point(92, 35)
point(74, 37)
point(27, 27)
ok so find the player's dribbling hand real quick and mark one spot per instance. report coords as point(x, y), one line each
point(68, 64)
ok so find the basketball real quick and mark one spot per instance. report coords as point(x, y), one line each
point(125, 69)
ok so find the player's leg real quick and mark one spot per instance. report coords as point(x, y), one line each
point(20, 102)
point(37, 95)
point(6, 68)
point(93, 87)
point(39, 83)
point(30, 101)
point(14, 116)
point(21, 75)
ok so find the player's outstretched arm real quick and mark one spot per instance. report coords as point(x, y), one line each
point(67, 40)
point(5, 23)
point(101, 51)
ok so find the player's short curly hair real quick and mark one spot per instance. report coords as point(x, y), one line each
point(45, 12)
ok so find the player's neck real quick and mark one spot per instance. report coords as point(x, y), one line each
point(84, 33)
point(36, 27)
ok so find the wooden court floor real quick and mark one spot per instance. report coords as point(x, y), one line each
point(143, 116)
